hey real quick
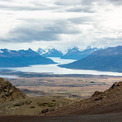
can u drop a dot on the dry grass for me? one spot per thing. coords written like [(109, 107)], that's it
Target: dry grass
[(34, 105), (65, 86)]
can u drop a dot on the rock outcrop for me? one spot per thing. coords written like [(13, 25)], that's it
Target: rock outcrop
[(8, 92)]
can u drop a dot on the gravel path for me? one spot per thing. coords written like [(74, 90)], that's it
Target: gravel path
[(81, 118)]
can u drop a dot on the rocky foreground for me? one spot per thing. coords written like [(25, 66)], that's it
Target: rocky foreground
[(9, 92), (14, 102), (109, 101), (101, 106)]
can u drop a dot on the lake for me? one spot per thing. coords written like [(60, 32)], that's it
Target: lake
[(54, 69), (7, 76)]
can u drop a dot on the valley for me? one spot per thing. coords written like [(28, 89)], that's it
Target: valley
[(103, 105), (77, 86), (60, 61)]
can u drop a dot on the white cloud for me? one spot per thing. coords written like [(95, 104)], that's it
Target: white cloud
[(60, 23)]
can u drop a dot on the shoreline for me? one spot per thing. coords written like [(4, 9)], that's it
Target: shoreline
[(17, 74)]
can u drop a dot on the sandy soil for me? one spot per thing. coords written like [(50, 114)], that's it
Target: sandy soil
[(64, 86)]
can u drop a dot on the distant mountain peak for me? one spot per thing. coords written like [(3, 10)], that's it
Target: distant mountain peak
[(74, 49), (1, 51), (29, 49), (51, 52), (76, 53), (109, 59)]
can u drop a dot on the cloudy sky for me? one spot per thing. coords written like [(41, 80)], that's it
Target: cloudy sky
[(60, 23)]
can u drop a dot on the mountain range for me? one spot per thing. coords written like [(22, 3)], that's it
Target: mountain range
[(20, 58), (75, 53), (50, 52), (109, 59), (72, 53)]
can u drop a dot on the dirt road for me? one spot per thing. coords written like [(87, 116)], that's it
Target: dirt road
[(117, 117)]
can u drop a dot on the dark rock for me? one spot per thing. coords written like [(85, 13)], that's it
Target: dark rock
[(45, 111), (96, 93)]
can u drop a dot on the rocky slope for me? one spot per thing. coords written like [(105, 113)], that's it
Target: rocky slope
[(9, 92), (109, 101), (109, 59), (12, 102)]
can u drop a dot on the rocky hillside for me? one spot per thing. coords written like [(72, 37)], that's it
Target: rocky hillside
[(109, 59), (108, 101), (9, 92)]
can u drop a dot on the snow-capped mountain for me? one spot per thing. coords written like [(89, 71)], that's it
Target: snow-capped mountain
[(109, 59), (76, 53), (42, 51), (50, 52), (13, 58)]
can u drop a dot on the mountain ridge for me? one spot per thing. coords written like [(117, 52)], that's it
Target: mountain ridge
[(76, 53), (20, 58), (71, 53), (50, 52), (109, 59)]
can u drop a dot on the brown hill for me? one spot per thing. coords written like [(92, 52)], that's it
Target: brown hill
[(109, 101), (9, 92)]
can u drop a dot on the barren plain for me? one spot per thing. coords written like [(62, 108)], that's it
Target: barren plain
[(66, 86)]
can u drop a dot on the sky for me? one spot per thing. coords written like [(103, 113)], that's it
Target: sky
[(60, 24)]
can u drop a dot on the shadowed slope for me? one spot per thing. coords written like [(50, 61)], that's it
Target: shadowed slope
[(108, 101)]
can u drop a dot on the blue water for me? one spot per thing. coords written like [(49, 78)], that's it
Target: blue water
[(8, 76), (54, 69)]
